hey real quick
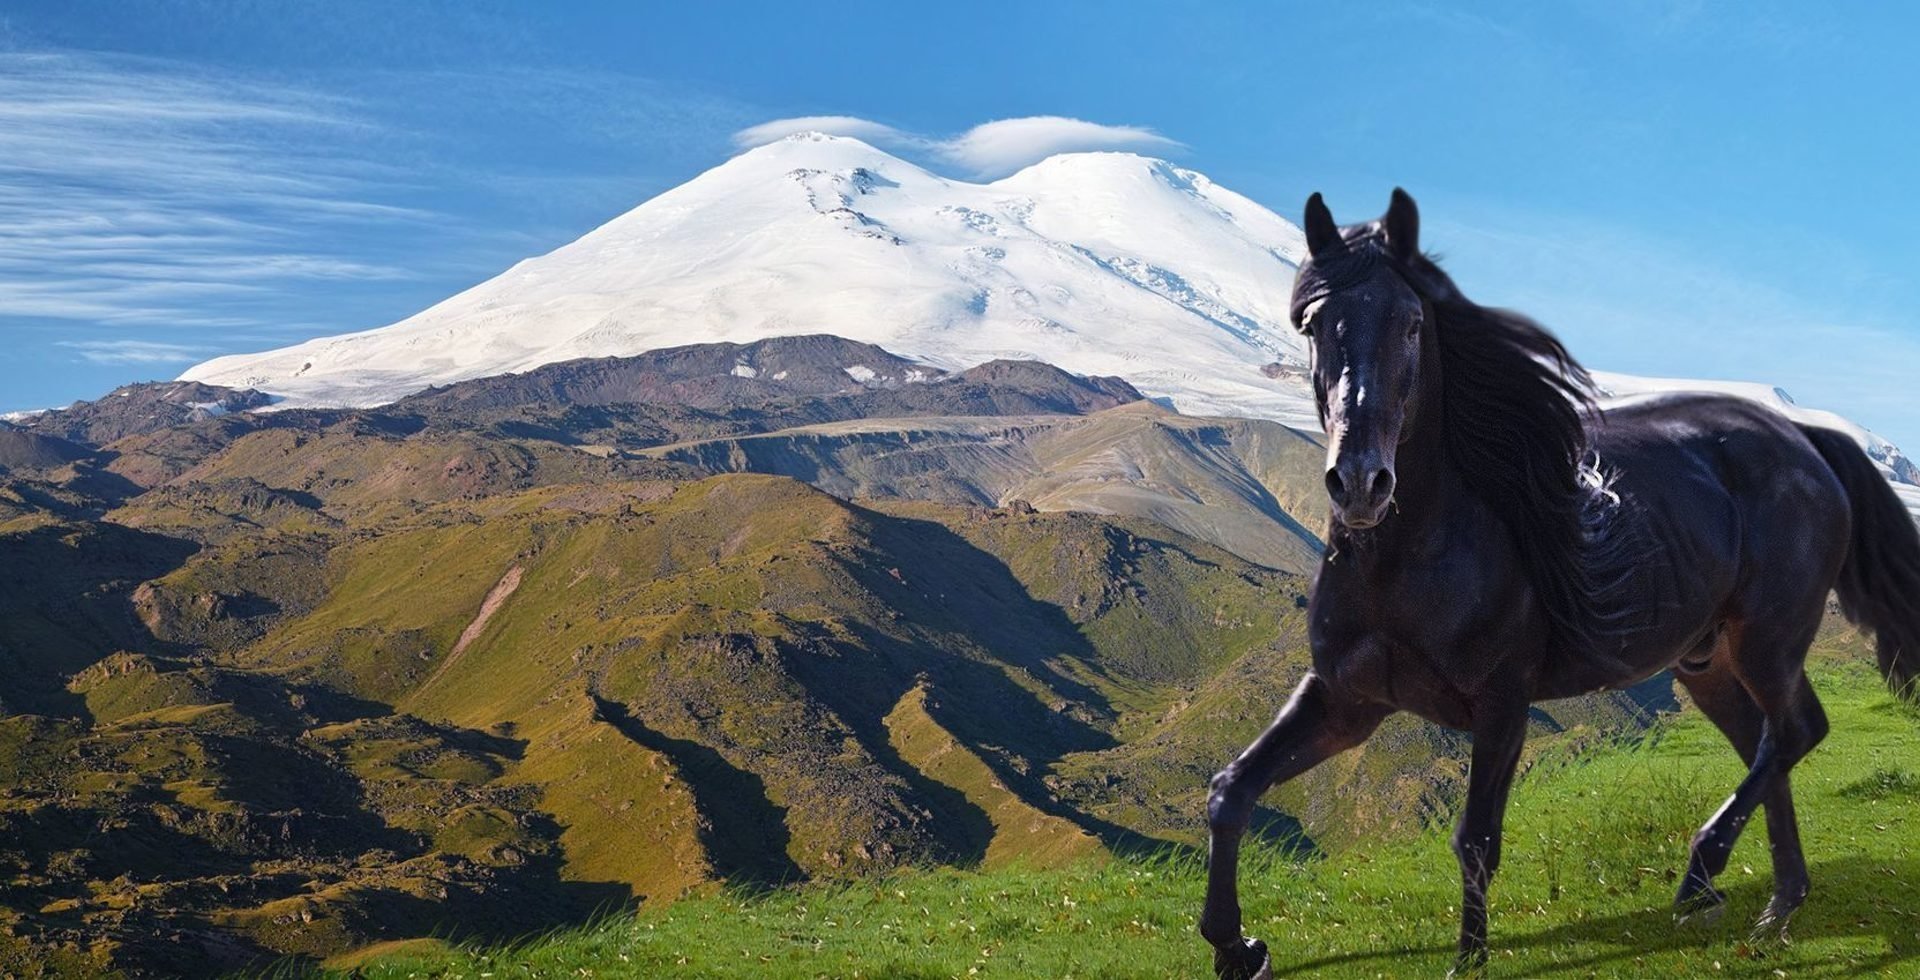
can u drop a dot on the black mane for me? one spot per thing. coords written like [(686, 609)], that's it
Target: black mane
[(1516, 406)]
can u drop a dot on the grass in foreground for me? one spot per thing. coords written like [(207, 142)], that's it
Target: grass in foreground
[(1594, 846)]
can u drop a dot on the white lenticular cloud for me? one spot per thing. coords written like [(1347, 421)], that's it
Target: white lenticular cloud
[(879, 134), (992, 149), (1006, 145)]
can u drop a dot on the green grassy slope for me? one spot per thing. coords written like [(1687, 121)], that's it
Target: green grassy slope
[(750, 635), (340, 722), (337, 723), (1595, 841)]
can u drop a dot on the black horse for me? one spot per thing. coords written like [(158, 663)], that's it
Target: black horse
[(1497, 540)]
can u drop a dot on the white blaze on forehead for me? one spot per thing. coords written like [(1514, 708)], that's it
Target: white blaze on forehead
[(1348, 390), (1337, 422)]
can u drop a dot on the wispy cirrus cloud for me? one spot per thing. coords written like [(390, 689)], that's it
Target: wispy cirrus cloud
[(992, 149), (134, 194), (199, 209), (135, 351)]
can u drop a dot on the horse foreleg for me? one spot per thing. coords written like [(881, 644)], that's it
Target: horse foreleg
[(1497, 739), (1313, 727)]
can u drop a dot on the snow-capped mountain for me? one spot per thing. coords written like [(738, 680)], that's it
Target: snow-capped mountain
[(1099, 263)]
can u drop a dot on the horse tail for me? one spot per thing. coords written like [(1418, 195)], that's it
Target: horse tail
[(1879, 584)]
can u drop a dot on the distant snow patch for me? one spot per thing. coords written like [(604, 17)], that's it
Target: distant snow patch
[(744, 371), (779, 375), (214, 409), (861, 373)]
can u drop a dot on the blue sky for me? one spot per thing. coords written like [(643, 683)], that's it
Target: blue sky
[(1704, 190)]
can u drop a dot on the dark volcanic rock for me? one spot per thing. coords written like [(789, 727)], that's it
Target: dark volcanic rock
[(781, 371), (1051, 389), (714, 390), (137, 409), (23, 449), (708, 376)]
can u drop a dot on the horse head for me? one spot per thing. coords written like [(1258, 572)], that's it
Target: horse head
[(1364, 322)]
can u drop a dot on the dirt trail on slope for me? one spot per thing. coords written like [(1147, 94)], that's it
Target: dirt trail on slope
[(496, 597)]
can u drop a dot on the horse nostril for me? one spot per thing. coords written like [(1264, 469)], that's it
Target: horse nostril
[(1336, 488), (1382, 486)]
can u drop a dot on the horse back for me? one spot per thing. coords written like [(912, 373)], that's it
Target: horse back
[(1741, 517)]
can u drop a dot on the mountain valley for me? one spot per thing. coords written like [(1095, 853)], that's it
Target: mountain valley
[(286, 684)]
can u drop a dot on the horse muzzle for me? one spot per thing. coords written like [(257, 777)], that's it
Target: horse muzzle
[(1361, 489)]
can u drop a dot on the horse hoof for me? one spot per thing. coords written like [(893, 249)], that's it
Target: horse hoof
[(1245, 960), (1773, 924), (1469, 965), (1703, 908), (1769, 929)]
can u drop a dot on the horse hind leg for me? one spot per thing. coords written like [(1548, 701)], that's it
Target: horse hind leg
[(1769, 712), (1719, 696), (1790, 878)]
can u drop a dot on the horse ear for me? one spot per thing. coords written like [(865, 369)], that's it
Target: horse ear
[(1403, 225), (1323, 236)]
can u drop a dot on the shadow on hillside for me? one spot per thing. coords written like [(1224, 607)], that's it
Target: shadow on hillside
[(1005, 725), (1269, 505), (961, 827), (65, 602), (1654, 696), (94, 480), (1283, 833), (746, 832), (955, 588), (142, 845), (519, 908), (330, 705)]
